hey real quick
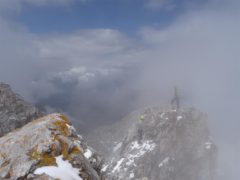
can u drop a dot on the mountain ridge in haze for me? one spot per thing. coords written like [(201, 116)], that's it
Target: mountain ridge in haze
[(14, 110), (157, 143)]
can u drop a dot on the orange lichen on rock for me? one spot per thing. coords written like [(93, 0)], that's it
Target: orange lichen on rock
[(61, 125), (63, 117), (57, 146), (75, 150), (45, 159), (64, 149)]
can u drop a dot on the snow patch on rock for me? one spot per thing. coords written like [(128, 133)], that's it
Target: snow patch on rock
[(104, 168), (131, 176), (64, 170), (165, 161), (118, 165), (118, 146), (208, 145), (179, 118), (138, 150), (88, 154)]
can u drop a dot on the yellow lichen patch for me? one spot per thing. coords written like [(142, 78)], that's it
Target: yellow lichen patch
[(58, 145), (48, 117), (61, 126), (75, 150), (45, 159), (53, 148), (64, 149), (63, 117), (48, 159)]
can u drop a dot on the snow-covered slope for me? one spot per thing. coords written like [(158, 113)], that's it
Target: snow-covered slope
[(157, 144)]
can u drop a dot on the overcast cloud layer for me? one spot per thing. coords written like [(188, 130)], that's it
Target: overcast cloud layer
[(96, 76)]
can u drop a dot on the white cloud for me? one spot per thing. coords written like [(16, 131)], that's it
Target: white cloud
[(96, 46), (86, 42), (200, 53), (75, 74), (29, 61)]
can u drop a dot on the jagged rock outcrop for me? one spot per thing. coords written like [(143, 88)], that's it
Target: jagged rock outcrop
[(47, 145), (14, 111), (157, 143)]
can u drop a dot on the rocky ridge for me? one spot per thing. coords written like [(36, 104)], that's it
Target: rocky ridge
[(157, 143), (14, 111)]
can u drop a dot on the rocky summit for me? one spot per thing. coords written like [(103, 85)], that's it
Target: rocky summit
[(14, 111), (45, 149), (157, 144)]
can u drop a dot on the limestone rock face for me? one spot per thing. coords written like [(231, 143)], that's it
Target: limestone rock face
[(14, 111), (157, 143), (37, 144)]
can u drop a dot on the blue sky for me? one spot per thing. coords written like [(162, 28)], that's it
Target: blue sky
[(125, 15)]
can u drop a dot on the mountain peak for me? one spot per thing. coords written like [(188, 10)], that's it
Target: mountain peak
[(158, 143)]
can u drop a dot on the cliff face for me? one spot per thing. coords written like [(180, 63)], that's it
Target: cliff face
[(47, 148), (14, 111), (155, 144)]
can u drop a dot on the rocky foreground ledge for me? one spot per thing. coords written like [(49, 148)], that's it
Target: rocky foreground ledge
[(47, 148)]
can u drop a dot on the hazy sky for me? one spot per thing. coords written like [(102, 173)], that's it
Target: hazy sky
[(97, 60)]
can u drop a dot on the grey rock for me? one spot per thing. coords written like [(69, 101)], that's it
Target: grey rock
[(14, 111), (38, 143), (157, 143)]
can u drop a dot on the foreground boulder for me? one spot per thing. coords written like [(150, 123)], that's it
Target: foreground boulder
[(14, 111), (47, 148), (157, 143)]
